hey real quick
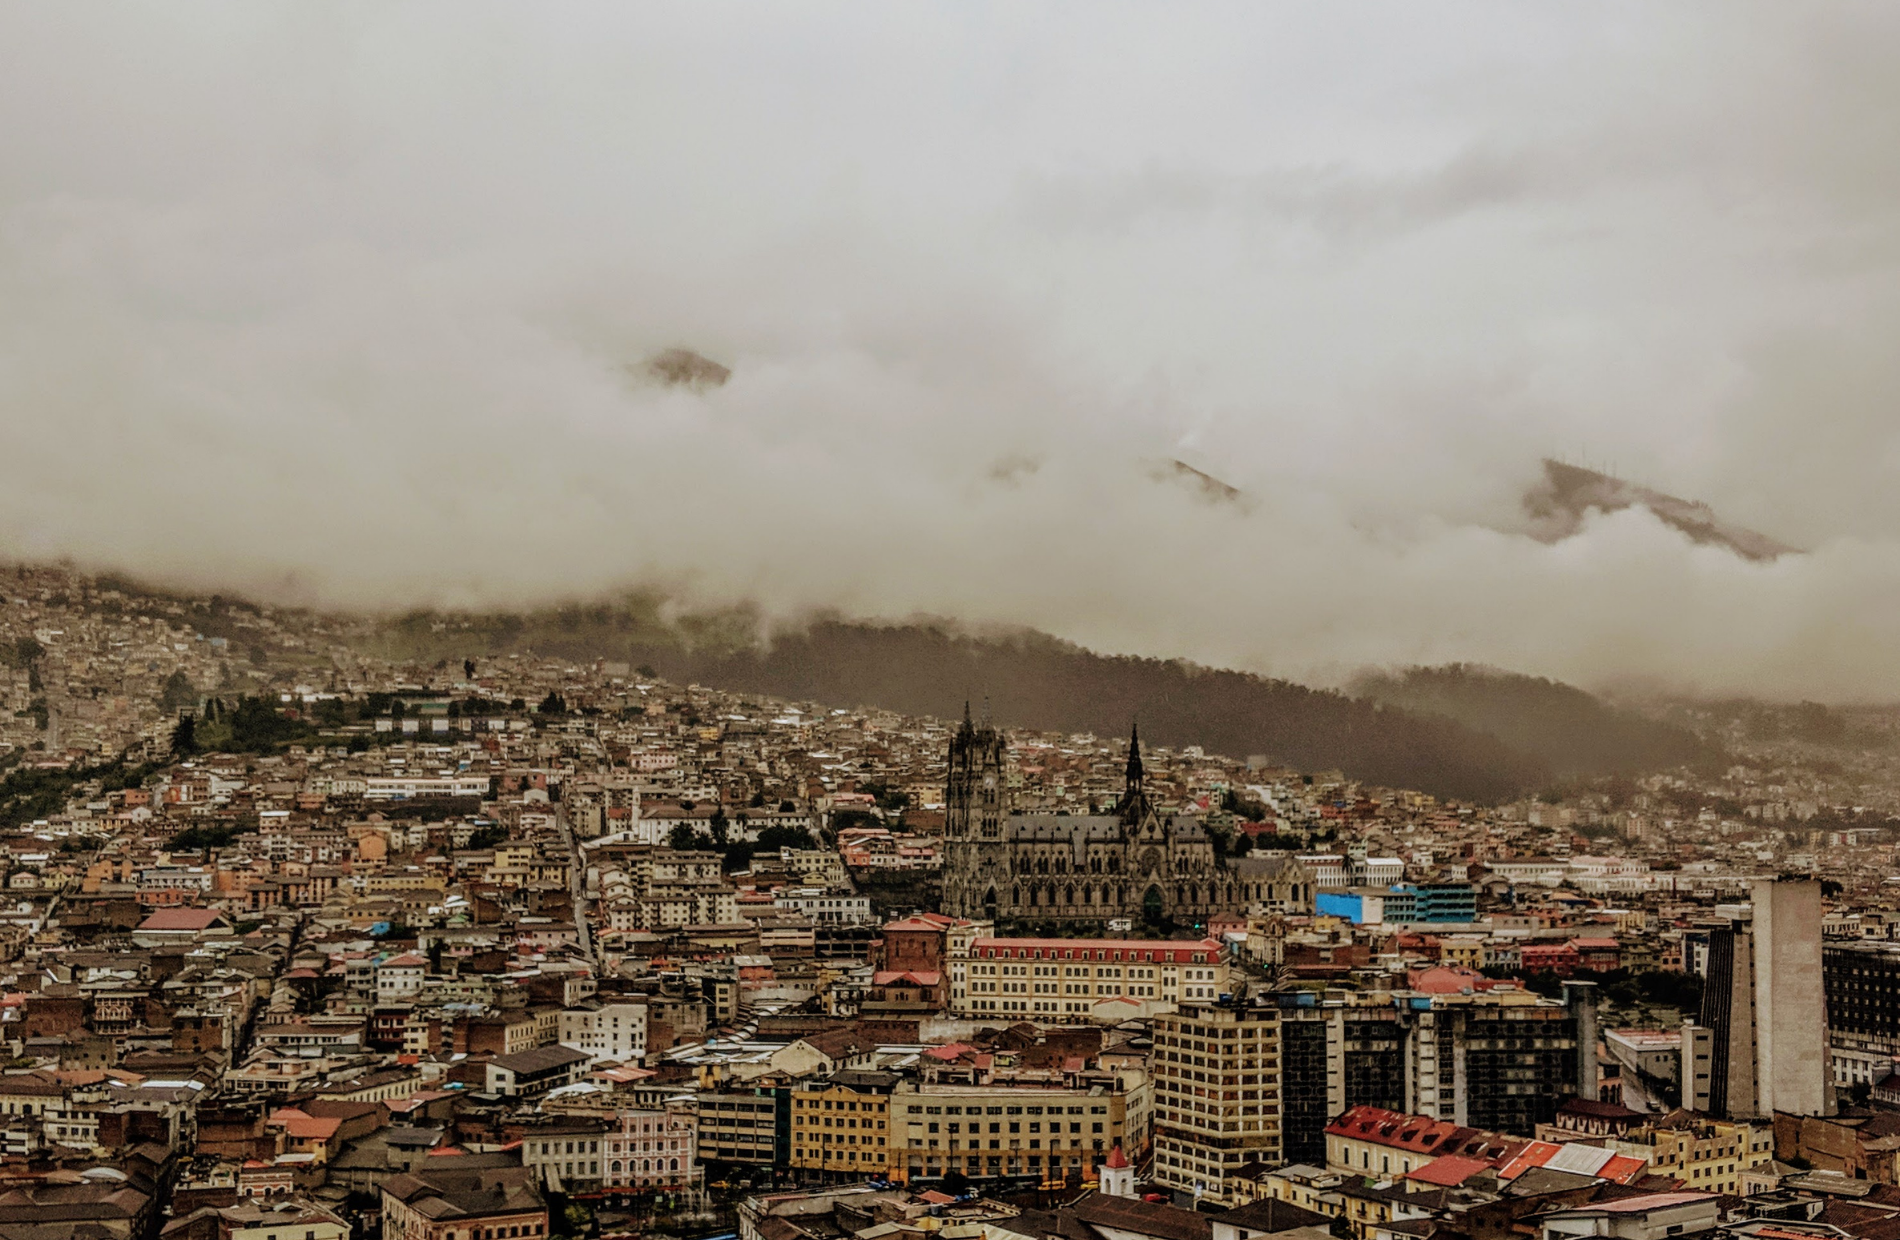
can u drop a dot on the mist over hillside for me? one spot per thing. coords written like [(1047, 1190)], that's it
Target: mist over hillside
[(1029, 679), (1036, 681), (1569, 730), (1011, 328)]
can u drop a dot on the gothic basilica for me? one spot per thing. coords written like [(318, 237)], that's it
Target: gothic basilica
[(1134, 863)]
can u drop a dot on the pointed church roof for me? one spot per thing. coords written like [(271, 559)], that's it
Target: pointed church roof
[(1134, 752), (1116, 1161)]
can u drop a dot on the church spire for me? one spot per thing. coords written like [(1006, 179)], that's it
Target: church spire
[(966, 729), (1134, 802)]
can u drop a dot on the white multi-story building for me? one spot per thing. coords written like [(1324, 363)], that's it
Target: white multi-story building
[(400, 977), (1610, 874), (827, 908), (608, 1031), (403, 787), (1328, 871)]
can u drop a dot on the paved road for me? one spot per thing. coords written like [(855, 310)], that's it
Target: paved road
[(577, 887)]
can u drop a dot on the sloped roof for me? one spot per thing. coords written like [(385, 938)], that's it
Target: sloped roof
[(1142, 1218), (1271, 1216), (182, 919), (1449, 1171)]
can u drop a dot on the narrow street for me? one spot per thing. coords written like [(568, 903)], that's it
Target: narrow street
[(577, 888)]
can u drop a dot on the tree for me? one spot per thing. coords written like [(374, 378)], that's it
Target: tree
[(488, 836), (771, 839), (260, 726), (717, 826), (192, 839), (178, 694), (468, 669), (185, 737), (552, 704), (844, 819), (681, 837)]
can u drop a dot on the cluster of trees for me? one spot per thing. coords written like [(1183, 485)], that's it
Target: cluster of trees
[(488, 836), (24, 654), (21, 652), (27, 793), (250, 725), (1623, 988), (207, 837), (891, 800), (738, 853)]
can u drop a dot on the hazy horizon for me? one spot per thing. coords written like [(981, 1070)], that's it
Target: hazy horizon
[(343, 305)]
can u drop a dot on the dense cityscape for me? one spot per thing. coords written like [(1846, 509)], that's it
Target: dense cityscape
[(1255, 621), (302, 938)]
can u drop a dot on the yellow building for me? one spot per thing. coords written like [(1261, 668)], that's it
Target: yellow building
[(987, 1131), (403, 880), (1708, 1156), (842, 1125), (1461, 951)]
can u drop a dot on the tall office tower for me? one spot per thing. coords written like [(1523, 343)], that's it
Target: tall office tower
[(1764, 1006), (1728, 1013)]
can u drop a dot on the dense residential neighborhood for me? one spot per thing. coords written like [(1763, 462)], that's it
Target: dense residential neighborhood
[(300, 939)]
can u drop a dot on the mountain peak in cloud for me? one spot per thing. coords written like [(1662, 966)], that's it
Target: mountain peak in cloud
[(1559, 503), (685, 368)]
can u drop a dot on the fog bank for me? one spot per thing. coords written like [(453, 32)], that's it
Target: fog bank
[(338, 304)]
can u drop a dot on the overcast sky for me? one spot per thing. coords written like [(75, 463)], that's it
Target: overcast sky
[(336, 303)]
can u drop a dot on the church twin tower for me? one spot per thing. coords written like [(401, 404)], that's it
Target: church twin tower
[(1031, 869)]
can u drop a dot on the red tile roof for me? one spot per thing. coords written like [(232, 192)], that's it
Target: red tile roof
[(1448, 1172)]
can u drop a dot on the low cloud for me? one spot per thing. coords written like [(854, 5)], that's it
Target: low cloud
[(338, 305)]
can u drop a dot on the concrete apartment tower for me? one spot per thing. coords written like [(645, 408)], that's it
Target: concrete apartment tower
[(1791, 1065), (1763, 1028)]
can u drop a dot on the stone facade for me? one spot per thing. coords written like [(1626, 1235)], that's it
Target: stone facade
[(1084, 870)]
